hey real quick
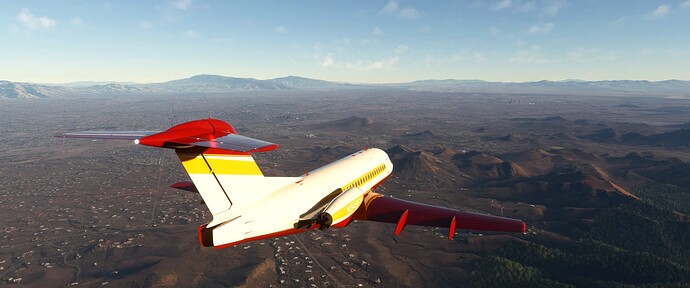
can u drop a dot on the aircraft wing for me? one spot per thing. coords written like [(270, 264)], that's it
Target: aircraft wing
[(393, 210)]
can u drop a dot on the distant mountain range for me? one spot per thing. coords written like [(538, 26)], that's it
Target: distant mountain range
[(217, 84), (195, 84), (27, 90), (667, 88)]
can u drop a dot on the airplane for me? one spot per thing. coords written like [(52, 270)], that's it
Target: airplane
[(248, 206)]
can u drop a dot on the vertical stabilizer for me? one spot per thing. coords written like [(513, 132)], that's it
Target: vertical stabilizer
[(228, 179), (206, 170)]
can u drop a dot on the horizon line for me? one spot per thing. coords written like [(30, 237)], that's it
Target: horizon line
[(105, 82)]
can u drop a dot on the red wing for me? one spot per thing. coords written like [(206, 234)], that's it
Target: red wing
[(394, 210)]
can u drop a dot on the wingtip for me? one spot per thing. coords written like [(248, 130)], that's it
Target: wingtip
[(266, 148)]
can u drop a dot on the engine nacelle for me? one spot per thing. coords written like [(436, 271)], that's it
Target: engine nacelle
[(343, 206)]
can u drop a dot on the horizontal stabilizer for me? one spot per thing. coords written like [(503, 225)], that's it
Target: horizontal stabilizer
[(239, 143), (205, 133)]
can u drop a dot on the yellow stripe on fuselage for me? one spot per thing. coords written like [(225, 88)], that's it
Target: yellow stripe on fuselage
[(365, 177), (219, 164), (351, 207)]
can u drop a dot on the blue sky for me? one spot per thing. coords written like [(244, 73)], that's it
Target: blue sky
[(360, 41)]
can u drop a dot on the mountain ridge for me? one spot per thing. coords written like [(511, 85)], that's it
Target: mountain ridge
[(208, 83)]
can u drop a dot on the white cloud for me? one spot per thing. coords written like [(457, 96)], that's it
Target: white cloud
[(327, 61), (541, 29), (377, 31), (391, 7), (426, 28), (175, 10), (181, 4), (408, 13), (504, 4), (280, 29), (383, 64), (661, 11), (31, 22), (685, 4), (544, 7), (525, 7), (552, 7)]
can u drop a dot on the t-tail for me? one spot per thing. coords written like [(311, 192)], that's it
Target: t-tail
[(217, 159)]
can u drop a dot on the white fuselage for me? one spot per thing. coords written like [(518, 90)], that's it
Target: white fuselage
[(282, 208)]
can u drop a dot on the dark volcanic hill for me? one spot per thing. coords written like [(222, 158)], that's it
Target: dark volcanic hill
[(558, 179), (425, 136), (606, 135), (578, 185), (479, 166), (610, 135), (677, 138), (422, 165)]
